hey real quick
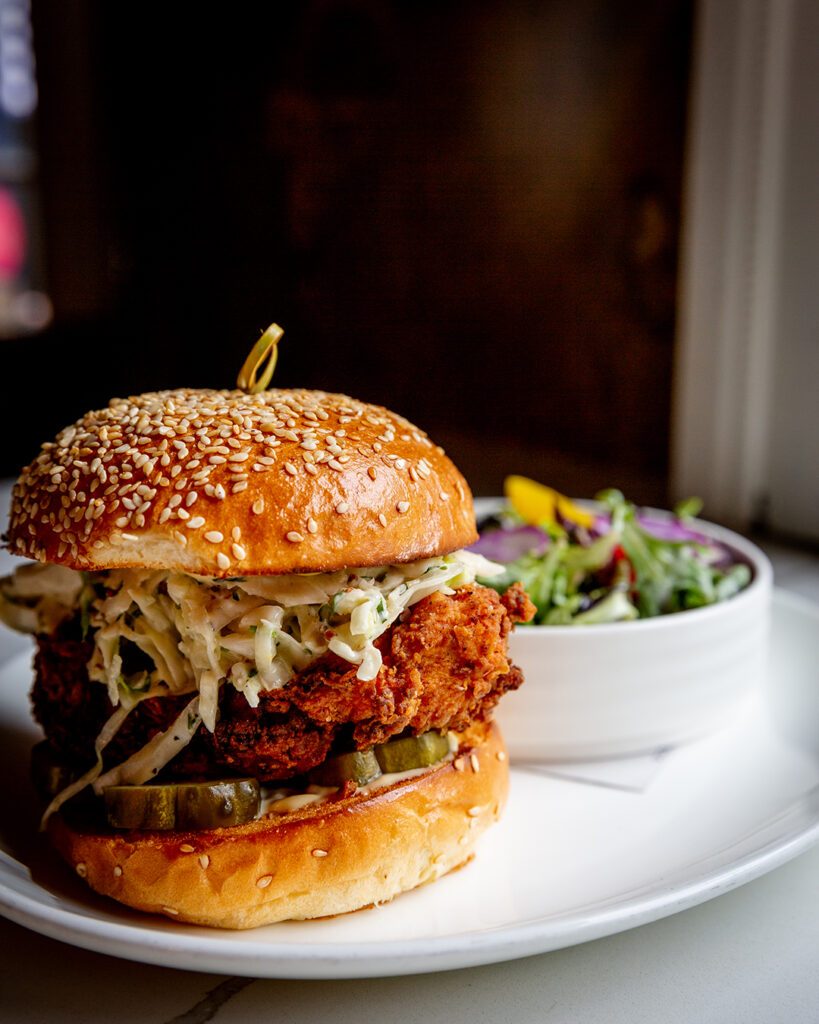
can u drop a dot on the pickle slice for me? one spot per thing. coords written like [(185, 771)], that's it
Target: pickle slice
[(359, 766), (194, 806), (408, 752)]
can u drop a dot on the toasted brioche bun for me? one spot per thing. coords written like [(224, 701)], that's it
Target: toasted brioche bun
[(324, 859), (222, 483)]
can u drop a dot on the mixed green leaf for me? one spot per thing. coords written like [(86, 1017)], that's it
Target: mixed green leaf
[(609, 564)]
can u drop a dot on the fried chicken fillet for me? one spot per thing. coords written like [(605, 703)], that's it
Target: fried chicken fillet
[(444, 666)]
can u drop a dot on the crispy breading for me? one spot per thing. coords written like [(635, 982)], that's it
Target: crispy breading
[(444, 666)]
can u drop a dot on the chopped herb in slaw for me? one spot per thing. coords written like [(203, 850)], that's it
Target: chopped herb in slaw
[(162, 633), (612, 562)]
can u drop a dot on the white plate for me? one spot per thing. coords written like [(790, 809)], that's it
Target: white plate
[(570, 861)]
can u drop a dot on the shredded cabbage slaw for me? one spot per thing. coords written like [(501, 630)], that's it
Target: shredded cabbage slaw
[(196, 634)]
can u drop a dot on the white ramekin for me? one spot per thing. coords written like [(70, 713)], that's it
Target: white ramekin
[(626, 688)]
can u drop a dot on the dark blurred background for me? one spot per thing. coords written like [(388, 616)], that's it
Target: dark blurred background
[(468, 212)]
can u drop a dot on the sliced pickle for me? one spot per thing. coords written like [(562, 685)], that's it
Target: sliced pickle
[(183, 806), (360, 767), (408, 752)]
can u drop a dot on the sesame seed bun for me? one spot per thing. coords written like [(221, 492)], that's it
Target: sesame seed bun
[(324, 859), (222, 483)]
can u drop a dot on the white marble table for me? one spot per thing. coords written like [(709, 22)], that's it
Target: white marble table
[(750, 955)]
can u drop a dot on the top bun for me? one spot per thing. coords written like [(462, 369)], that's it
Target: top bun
[(223, 483)]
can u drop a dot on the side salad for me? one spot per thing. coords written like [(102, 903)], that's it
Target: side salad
[(610, 562)]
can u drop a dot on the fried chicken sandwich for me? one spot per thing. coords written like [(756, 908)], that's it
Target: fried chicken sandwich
[(265, 668)]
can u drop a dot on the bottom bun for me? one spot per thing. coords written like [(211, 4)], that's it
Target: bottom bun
[(324, 859)]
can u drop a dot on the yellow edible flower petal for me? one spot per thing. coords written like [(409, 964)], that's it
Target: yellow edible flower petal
[(535, 503)]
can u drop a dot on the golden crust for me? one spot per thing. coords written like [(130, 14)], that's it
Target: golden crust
[(221, 483), (325, 859)]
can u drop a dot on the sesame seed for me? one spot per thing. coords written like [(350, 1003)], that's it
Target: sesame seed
[(195, 523), (204, 861), (258, 506), (117, 871), (238, 551), (295, 537), (81, 869), (501, 755), (222, 561), (342, 507), (382, 519), (264, 881), (137, 446), (183, 514), (186, 848), (473, 760), (473, 812), (319, 853), (458, 764), (129, 536), (236, 533), (214, 536), (290, 468), (403, 506), (443, 496), (171, 911)]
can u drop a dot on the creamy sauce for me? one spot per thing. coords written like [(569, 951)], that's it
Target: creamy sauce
[(283, 801)]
